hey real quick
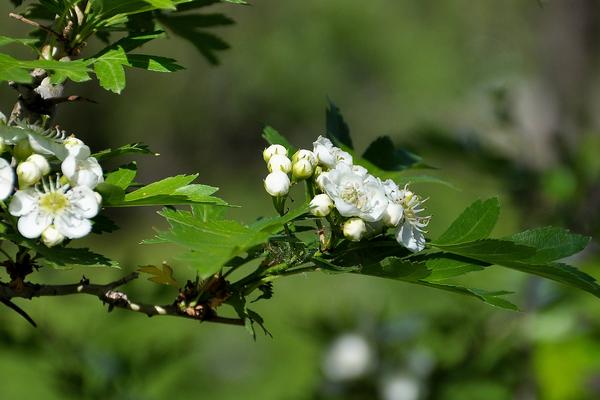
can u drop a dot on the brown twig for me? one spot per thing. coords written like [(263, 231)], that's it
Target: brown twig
[(108, 295), (36, 24)]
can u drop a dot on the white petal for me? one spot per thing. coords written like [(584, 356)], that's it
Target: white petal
[(69, 166), (23, 202), (71, 226), (7, 179), (408, 236), (33, 224), (346, 209), (83, 202)]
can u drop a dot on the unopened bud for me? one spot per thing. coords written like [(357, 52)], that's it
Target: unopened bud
[(279, 162), (28, 173), (41, 163), (354, 229), (51, 237), (277, 184), (321, 205), (393, 214), (304, 154), (22, 150), (302, 169), (272, 150)]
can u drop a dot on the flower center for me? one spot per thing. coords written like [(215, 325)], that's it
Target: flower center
[(352, 194), (54, 202)]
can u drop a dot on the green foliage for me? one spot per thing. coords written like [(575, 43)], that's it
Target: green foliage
[(273, 137), (12, 69), (476, 222)]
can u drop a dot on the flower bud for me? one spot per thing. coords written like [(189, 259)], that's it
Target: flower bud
[(320, 177), (41, 163), (272, 150), (354, 229), (277, 183), (279, 162), (304, 154), (51, 237), (393, 214), (28, 173), (22, 150), (321, 205), (3, 146), (76, 148), (302, 169)]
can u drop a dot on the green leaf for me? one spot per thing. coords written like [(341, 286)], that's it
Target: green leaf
[(111, 194), (210, 243), (13, 69), (444, 266), (62, 257), (122, 177), (134, 148), (163, 276), (493, 251), (476, 222), (337, 129), (492, 298), (551, 243), (273, 137), (110, 74), (192, 27), (383, 153), (418, 273), (4, 40)]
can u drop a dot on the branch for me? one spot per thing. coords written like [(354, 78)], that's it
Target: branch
[(114, 298), (36, 24)]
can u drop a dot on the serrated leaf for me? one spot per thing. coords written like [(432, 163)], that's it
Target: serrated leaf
[(18, 70), (445, 266), (110, 74), (272, 136), (4, 40), (336, 127), (551, 243), (122, 177), (383, 153), (163, 276), (103, 224), (493, 251), (476, 222), (134, 148), (62, 257), (492, 298)]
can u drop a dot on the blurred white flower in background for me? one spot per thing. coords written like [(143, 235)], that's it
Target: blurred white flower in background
[(349, 357), (400, 387)]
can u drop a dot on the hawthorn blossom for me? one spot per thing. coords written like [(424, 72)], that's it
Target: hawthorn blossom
[(355, 195), (68, 210), (410, 232), (321, 205), (277, 183), (272, 150)]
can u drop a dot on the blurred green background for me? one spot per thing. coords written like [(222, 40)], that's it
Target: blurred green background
[(503, 97)]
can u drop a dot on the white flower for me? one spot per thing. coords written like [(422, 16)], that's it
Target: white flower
[(28, 173), (7, 179), (82, 171), (341, 156), (349, 357), (355, 195), (393, 214), (304, 154), (41, 163), (323, 150), (279, 162), (76, 148), (52, 237), (302, 169), (354, 229), (360, 170), (410, 232), (277, 183), (321, 205), (68, 210), (272, 150)]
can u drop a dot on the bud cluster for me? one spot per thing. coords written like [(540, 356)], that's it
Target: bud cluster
[(363, 205)]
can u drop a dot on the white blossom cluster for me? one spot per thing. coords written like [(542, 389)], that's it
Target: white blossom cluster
[(367, 204), (50, 188)]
